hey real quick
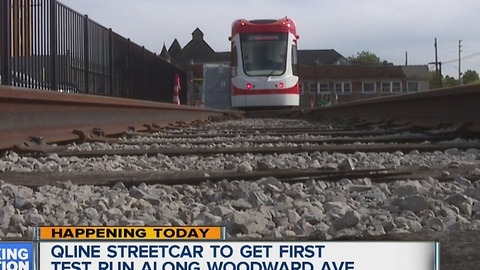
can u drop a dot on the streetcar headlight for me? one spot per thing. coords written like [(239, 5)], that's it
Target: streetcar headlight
[(249, 86), (280, 85)]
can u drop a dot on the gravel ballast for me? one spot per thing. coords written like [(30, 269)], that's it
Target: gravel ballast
[(266, 208)]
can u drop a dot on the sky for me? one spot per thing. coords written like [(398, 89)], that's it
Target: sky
[(396, 31)]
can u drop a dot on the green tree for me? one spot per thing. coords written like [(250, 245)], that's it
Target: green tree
[(470, 76), (449, 81), (365, 58), (433, 77)]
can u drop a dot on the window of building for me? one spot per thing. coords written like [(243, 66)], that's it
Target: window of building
[(324, 88), (391, 87), (386, 87), (396, 87), (343, 88), (312, 88), (413, 87), (347, 88), (368, 87)]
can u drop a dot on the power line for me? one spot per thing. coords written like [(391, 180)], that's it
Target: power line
[(471, 56), (463, 58)]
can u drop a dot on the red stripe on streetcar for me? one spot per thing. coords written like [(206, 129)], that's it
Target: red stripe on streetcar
[(242, 92), (284, 25)]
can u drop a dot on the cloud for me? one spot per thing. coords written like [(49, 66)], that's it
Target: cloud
[(386, 28)]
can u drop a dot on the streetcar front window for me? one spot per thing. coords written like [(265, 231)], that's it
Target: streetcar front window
[(264, 54)]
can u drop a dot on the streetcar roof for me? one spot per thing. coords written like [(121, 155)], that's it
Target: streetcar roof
[(284, 25)]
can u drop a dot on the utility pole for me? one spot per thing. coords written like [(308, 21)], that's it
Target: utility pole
[(316, 85), (440, 75), (459, 62), (406, 58), (436, 56), (439, 78)]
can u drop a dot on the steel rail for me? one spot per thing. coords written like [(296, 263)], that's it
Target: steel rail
[(454, 105), (32, 118), (341, 140), (352, 148), (193, 177), (129, 178)]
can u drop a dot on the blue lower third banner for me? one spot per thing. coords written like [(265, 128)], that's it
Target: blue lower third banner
[(16, 256)]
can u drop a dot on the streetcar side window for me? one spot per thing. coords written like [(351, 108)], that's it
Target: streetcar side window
[(294, 59), (234, 61)]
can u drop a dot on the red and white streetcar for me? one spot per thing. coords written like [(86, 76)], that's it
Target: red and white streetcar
[(264, 64)]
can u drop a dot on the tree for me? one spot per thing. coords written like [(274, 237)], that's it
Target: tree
[(433, 77), (449, 81), (365, 58), (470, 76)]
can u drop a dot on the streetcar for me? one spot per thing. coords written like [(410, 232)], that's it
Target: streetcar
[(264, 64)]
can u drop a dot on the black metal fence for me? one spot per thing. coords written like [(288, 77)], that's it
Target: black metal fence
[(46, 45)]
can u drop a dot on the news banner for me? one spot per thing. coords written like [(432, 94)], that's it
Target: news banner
[(205, 248)]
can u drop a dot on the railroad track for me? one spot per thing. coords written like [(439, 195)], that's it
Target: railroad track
[(322, 140), (32, 120), (306, 174)]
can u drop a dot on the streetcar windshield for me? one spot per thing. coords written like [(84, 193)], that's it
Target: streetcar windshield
[(264, 54)]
